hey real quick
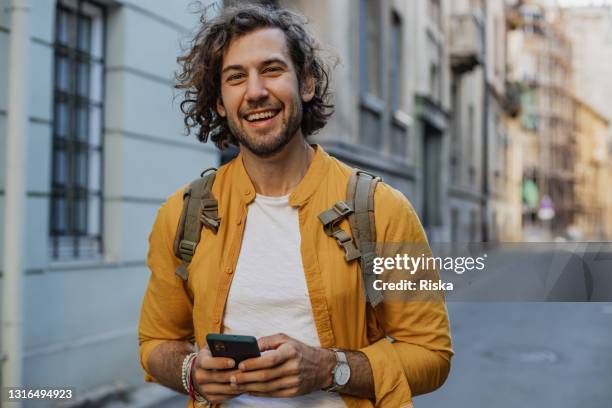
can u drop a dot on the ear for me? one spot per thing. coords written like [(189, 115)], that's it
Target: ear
[(220, 108), (308, 89)]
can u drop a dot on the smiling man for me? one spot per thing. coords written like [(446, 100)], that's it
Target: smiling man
[(253, 78)]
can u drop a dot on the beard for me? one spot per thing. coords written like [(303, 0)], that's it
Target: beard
[(268, 145)]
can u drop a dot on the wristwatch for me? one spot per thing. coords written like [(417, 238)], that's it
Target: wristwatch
[(341, 373)]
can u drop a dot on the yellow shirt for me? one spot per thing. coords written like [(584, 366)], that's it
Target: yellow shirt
[(418, 361)]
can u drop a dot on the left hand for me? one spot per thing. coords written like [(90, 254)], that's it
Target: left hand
[(290, 369)]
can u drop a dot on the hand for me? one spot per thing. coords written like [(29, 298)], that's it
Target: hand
[(211, 377), (292, 368)]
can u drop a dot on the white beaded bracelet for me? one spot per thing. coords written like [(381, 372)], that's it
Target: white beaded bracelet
[(185, 372)]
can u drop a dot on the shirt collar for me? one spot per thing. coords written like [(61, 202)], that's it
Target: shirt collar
[(302, 192)]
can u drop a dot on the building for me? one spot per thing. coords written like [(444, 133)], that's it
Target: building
[(541, 64), (392, 114), (590, 31), (480, 173), (104, 149), (593, 176)]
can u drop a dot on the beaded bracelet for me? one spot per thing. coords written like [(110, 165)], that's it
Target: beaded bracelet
[(187, 369), (185, 375)]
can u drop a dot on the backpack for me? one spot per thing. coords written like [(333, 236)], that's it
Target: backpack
[(200, 210)]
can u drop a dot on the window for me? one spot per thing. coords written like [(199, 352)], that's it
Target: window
[(371, 44), (76, 182), (432, 177), (399, 129), (397, 66), (434, 50), (370, 59)]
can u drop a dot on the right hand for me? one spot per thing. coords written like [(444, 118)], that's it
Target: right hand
[(211, 377)]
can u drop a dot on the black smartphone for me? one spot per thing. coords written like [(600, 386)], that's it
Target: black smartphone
[(233, 346)]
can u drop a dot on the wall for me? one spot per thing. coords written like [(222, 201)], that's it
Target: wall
[(81, 316)]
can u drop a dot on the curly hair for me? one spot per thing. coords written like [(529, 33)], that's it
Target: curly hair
[(200, 75)]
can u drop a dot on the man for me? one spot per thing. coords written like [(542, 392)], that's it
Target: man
[(253, 78)]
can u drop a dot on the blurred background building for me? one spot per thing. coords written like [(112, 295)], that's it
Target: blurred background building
[(491, 116)]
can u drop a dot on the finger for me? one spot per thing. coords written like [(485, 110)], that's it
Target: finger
[(202, 376), (268, 360), (270, 386), (272, 342), (284, 370), (284, 393), (207, 362)]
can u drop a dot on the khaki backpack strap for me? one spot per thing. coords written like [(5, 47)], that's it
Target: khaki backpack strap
[(360, 192), (199, 209), (330, 220)]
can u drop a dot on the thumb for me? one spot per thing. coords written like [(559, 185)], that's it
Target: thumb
[(272, 342)]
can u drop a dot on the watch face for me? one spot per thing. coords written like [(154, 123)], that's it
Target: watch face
[(342, 374)]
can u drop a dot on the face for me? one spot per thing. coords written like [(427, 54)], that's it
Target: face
[(260, 94)]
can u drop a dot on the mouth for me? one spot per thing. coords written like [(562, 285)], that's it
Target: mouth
[(262, 118)]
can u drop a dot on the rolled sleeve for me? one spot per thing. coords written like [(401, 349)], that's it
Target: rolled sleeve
[(414, 357), (166, 312), (390, 383)]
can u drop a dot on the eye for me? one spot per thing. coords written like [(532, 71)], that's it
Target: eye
[(234, 77), (273, 69)]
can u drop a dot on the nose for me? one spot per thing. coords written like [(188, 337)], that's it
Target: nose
[(256, 89)]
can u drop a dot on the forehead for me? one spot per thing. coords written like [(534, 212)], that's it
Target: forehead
[(257, 46)]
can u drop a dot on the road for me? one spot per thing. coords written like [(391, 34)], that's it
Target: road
[(528, 355)]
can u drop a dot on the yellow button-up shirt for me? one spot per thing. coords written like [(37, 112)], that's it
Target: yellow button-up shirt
[(416, 362)]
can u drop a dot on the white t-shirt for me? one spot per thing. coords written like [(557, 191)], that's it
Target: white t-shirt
[(268, 294)]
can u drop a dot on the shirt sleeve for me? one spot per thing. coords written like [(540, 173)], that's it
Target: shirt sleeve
[(166, 312), (414, 356)]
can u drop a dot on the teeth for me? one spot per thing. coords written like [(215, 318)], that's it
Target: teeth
[(260, 115)]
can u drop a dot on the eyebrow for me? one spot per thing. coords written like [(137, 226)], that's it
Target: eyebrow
[(265, 63)]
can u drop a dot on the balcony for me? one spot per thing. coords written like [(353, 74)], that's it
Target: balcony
[(466, 45)]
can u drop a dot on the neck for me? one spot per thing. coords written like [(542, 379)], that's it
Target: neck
[(277, 175)]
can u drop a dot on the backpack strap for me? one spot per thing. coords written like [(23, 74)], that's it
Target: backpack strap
[(359, 208), (199, 209), (360, 192), (330, 220)]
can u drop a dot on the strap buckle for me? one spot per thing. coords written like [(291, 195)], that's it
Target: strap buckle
[(342, 208), (209, 205), (187, 247), (342, 238)]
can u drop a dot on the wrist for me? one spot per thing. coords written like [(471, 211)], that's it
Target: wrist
[(327, 364)]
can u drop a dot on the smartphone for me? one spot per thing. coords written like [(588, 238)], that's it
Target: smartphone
[(233, 346)]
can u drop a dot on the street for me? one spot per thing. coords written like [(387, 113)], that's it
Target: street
[(528, 355)]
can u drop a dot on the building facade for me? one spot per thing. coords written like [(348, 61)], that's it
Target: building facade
[(391, 94), (590, 31), (104, 149), (593, 175), (541, 63), (480, 147)]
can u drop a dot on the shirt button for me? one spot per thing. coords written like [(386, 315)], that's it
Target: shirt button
[(228, 270), (216, 321), (247, 192), (239, 221)]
